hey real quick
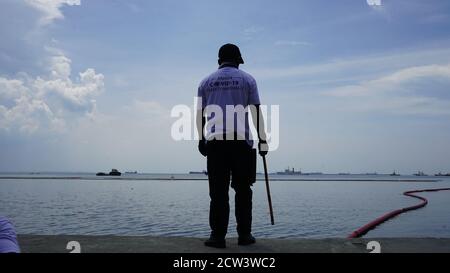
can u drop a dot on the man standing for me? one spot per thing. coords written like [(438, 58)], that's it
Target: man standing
[(228, 143)]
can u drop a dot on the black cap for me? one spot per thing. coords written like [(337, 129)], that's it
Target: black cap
[(230, 52)]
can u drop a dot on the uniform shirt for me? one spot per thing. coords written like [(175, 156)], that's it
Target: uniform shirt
[(228, 86)]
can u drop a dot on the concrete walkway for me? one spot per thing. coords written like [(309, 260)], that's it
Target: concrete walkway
[(149, 244)]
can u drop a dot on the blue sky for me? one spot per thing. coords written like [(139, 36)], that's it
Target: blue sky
[(361, 88)]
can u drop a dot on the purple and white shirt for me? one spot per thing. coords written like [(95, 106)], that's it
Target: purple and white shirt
[(232, 87)]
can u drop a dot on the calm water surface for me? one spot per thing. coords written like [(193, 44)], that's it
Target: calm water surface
[(56, 204)]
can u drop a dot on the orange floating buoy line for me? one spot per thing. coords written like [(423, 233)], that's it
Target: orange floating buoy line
[(371, 225)]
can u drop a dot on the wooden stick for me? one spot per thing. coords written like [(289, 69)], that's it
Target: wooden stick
[(268, 191)]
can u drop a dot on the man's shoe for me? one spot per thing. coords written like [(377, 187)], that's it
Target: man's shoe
[(215, 242), (246, 240)]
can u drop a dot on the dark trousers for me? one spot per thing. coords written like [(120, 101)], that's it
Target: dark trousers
[(233, 159)]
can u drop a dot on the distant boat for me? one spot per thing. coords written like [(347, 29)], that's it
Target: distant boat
[(202, 172), (135, 172), (290, 172), (442, 174), (343, 173), (420, 173), (115, 172), (394, 174)]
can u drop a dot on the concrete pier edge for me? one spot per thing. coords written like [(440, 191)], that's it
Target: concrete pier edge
[(155, 244)]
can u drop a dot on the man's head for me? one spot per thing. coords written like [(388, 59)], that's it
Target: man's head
[(230, 53)]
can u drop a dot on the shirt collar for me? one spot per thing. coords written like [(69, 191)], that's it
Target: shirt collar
[(229, 64)]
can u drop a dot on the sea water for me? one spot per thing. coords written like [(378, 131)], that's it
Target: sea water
[(314, 206)]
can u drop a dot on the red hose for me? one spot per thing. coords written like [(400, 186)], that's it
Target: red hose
[(371, 225)]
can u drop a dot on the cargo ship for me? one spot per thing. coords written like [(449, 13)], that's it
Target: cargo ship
[(289, 171)]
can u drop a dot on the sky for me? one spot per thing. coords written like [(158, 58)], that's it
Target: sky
[(88, 85)]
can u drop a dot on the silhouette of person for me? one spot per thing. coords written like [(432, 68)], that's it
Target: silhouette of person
[(227, 143)]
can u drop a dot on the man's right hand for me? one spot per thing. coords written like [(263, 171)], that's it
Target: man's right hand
[(202, 147), (263, 148)]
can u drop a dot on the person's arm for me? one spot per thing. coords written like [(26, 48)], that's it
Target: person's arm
[(258, 122), (200, 124), (200, 121)]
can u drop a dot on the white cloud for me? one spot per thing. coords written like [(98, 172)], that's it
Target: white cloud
[(373, 2), (378, 6), (251, 32), (52, 100), (412, 90), (393, 82), (366, 66), (51, 8), (417, 72), (47, 102), (150, 108)]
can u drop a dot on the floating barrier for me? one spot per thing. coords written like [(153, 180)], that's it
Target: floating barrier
[(373, 224)]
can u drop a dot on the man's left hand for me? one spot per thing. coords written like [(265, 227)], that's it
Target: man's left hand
[(263, 148), (202, 147)]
